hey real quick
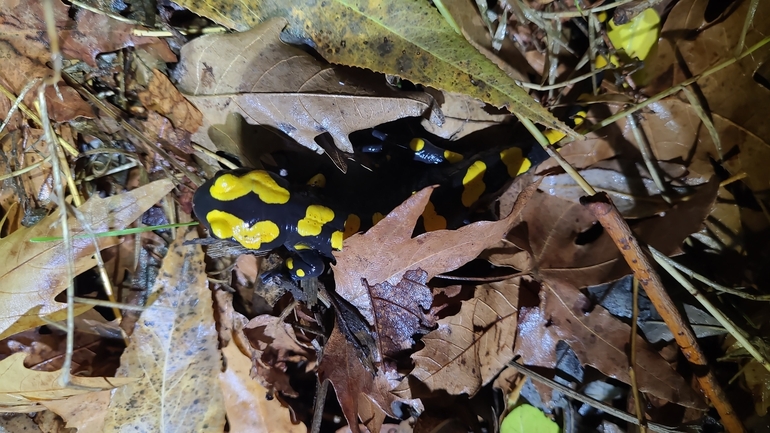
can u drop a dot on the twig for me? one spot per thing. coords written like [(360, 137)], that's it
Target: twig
[(647, 155), (728, 324), (602, 209), (632, 361), (571, 393)]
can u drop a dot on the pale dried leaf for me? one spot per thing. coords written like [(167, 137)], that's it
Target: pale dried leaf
[(174, 349), (32, 274), (271, 83), (21, 388), (84, 412)]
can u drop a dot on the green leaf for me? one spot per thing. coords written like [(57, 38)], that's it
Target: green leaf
[(405, 38), (528, 419)]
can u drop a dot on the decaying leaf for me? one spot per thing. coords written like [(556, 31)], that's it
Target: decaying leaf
[(275, 84), (599, 340), (470, 348), (359, 392), (85, 412), (34, 273), (22, 389), (405, 38), (174, 350), (463, 115), (275, 344)]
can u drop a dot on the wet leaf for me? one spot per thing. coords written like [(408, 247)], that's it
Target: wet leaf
[(22, 389), (599, 340), (566, 242), (174, 349), (34, 273), (278, 85), (470, 348), (406, 38)]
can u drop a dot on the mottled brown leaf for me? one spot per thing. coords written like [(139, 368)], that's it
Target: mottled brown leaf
[(162, 96), (271, 83), (470, 348), (174, 350)]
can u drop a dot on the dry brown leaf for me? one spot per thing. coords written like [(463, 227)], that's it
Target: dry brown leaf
[(245, 399), (387, 250), (565, 241), (274, 84), (84, 412), (162, 96), (598, 339), (359, 392), (32, 274), (174, 349), (22, 389), (18, 423), (470, 348)]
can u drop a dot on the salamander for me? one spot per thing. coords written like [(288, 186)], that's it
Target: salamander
[(262, 211)]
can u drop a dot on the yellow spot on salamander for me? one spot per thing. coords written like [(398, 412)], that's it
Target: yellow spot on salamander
[(513, 159), (318, 181), (225, 226), (290, 263), (300, 273), (377, 217), (230, 187), (337, 238), (300, 247), (554, 135), (473, 183), (431, 220), (315, 218), (452, 157), (352, 225), (417, 144)]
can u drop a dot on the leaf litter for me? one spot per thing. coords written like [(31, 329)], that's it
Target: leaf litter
[(401, 336)]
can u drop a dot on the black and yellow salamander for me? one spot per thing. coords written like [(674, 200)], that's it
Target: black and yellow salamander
[(262, 211)]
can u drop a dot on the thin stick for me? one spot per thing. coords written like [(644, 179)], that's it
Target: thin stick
[(713, 310), (602, 209), (632, 360)]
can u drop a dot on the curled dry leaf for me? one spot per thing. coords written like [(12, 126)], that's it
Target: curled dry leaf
[(245, 399), (275, 344), (22, 389), (470, 348), (275, 84), (463, 115), (598, 339), (174, 349), (32, 274)]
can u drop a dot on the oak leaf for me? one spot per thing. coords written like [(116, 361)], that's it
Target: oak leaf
[(32, 274), (272, 83)]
